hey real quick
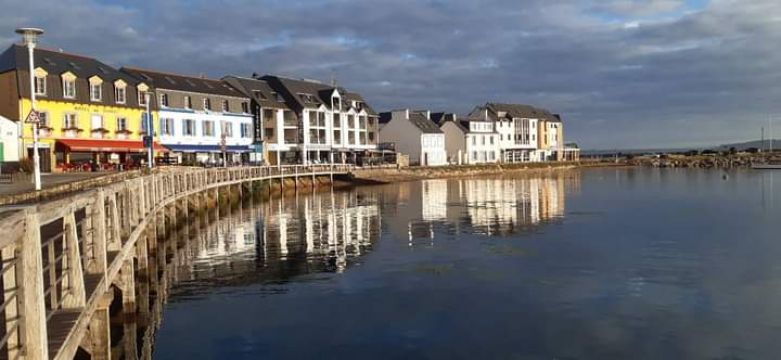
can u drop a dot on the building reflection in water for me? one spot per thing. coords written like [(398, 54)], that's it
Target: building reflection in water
[(265, 243), (501, 206), (274, 241)]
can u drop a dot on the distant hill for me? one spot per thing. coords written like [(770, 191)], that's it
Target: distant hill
[(758, 144)]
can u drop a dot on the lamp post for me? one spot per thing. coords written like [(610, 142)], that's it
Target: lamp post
[(30, 38), (150, 132)]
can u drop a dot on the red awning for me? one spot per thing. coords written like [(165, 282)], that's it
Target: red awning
[(98, 145)]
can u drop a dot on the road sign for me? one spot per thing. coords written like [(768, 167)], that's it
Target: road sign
[(32, 117)]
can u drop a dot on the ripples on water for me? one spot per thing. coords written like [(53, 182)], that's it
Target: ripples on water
[(593, 264)]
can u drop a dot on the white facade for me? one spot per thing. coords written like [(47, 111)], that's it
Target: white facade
[(9, 140), (483, 145), (327, 132), (472, 142), (414, 134), (201, 129)]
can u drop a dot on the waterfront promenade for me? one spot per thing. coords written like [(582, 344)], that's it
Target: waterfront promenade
[(66, 261)]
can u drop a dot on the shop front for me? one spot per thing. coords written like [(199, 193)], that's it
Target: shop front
[(93, 154), (210, 155)]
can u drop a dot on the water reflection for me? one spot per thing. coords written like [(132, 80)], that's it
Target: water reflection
[(647, 264), (502, 206)]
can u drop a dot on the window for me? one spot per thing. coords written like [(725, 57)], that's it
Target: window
[(121, 124), (44, 119), (96, 121), (474, 155), (350, 121), (40, 85), (208, 128), (188, 127), (142, 98), (337, 137), (164, 100), (96, 92), (69, 89), (188, 102), (120, 95), (245, 107), (337, 121), (278, 97), (492, 141), (166, 126), (482, 137), (207, 104), (337, 103), (225, 106), (69, 121), (474, 140), (227, 129), (246, 131)]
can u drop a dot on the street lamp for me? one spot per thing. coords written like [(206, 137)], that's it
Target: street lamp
[(30, 38), (149, 138)]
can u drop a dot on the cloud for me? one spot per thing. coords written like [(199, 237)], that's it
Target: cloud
[(622, 73)]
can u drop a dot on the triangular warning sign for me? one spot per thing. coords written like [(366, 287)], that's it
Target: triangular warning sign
[(32, 117)]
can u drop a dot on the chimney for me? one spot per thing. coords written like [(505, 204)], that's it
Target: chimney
[(428, 114), (407, 113)]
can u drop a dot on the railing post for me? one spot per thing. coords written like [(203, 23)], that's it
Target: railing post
[(33, 303), (75, 297), (98, 214)]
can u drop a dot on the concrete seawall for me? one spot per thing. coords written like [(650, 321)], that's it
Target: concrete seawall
[(389, 175)]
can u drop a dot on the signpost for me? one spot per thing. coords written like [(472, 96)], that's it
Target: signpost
[(33, 118)]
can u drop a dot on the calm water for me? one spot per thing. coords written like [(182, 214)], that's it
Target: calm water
[(601, 264)]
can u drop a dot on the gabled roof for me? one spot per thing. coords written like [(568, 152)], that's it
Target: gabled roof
[(167, 81), (57, 63), (258, 90), (523, 111), (311, 94), (424, 124)]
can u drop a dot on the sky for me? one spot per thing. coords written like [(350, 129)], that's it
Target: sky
[(622, 73)]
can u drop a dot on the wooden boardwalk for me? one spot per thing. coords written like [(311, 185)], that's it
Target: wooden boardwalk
[(65, 261)]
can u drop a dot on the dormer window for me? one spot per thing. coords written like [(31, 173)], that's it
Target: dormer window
[(245, 107), (278, 97), (163, 100), (95, 88), (207, 104), (40, 82), (96, 92), (142, 91), (69, 87), (337, 103), (225, 106), (188, 102), (120, 92)]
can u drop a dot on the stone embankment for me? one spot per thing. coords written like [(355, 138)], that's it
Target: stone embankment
[(389, 175), (702, 161)]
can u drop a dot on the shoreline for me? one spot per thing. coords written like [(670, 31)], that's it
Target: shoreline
[(395, 175)]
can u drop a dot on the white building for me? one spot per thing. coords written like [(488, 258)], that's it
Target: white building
[(414, 134), (200, 119), (517, 126), (9, 141), (333, 124), (471, 141)]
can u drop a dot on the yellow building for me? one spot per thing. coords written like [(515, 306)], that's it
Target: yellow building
[(90, 112)]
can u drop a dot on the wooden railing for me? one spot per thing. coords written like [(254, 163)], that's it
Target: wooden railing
[(60, 258)]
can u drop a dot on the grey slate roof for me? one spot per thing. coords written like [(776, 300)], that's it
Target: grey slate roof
[(310, 94), (424, 124), (258, 90), (523, 111), (57, 63), (167, 81)]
